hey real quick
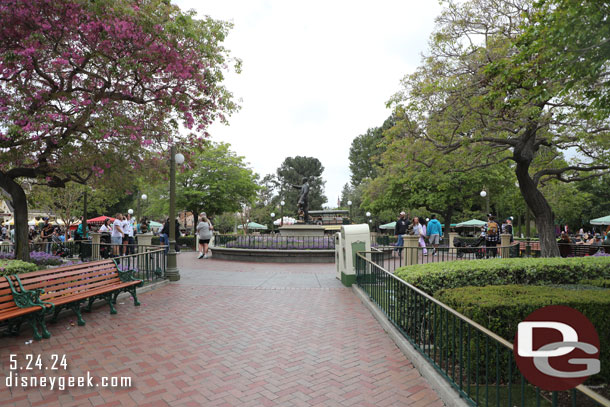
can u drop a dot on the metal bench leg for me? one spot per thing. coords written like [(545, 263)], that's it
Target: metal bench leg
[(75, 306), (55, 314), (43, 326), (89, 305), (114, 297), (132, 291), (109, 300), (33, 323)]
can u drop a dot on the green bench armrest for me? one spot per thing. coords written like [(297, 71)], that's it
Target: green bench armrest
[(27, 298)]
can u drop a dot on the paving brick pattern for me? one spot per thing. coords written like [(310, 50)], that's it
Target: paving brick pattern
[(287, 335)]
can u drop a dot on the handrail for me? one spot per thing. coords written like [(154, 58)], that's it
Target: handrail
[(447, 308), (598, 398)]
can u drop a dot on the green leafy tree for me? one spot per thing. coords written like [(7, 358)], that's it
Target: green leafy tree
[(291, 172), (218, 181), (68, 203), (415, 174), (365, 150), (482, 92)]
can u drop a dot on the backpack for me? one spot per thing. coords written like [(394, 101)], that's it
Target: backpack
[(492, 228)]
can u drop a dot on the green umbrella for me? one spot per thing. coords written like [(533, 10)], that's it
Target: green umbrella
[(601, 221), (471, 223), (390, 225), (154, 224), (254, 225)]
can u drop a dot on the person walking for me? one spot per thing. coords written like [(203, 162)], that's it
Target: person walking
[(204, 233), (492, 236), (116, 236), (434, 233), (164, 235), (402, 225), (422, 235), (128, 229)]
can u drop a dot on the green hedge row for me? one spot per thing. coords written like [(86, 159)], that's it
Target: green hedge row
[(183, 241), (15, 267), (537, 271), (501, 308)]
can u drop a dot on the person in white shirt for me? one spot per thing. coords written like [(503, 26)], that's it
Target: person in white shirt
[(128, 227), (106, 228), (116, 236)]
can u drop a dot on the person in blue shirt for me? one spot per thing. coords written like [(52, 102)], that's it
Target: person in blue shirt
[(434, 233)]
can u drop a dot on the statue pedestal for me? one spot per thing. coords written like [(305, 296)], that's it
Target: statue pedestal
[(301, 230)]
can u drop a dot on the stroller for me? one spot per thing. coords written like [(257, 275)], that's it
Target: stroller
[(470, 247)]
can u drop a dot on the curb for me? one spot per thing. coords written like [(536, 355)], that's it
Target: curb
[(446, 392)]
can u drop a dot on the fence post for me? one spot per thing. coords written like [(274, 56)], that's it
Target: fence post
[(504, 245), (411, 244), (452, 236), (95, 245)]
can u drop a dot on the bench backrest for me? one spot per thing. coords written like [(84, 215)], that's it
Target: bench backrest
[(7, 303), (71, 280)]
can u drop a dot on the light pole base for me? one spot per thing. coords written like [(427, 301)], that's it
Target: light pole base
[(172, 274)]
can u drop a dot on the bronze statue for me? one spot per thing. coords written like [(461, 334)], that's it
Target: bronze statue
[(303, 203)]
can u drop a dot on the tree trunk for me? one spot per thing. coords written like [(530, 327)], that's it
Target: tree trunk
[(195, 213), (541, 210), (20, 207), (447, 216)]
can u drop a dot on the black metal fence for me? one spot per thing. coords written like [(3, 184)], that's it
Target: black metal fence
[(476, 362), (392, 257), (275, 242)]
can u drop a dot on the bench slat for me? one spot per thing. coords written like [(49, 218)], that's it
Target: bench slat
[(80, 280), (59, 270), (51, 275)]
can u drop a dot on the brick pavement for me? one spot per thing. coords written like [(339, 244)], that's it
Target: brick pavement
[(282, 335)]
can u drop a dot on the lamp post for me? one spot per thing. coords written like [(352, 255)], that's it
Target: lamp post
[(485, 195), (272, 216), (282, 203), (349, 203), (173, 274), (368, 215)]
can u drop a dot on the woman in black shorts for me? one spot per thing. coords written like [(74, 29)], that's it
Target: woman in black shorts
[(204, 232)]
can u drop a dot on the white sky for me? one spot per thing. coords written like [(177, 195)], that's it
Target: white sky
[(315, 74)]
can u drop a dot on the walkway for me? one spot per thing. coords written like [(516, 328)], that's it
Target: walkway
[(229, 334)]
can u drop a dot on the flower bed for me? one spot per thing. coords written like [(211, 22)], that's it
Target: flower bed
[(38, 258)]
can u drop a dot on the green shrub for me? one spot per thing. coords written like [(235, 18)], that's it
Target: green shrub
[(501, 308), (8, 267), (186, 241), (538, 271), (599, 282)]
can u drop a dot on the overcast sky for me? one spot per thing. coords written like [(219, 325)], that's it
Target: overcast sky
[(315, 75)]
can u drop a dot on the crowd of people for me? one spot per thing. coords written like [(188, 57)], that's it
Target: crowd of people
[(430, 233)]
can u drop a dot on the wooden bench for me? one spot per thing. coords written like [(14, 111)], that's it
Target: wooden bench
[(18, 305), (70, 286)]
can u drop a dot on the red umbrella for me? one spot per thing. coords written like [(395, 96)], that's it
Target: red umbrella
[(99, 220)]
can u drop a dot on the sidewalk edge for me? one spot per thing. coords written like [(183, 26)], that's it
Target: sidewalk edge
[(448, 394)]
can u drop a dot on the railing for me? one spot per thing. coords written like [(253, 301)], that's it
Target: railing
[(275, 242), (149, 265), (392, 257), (476, 362)]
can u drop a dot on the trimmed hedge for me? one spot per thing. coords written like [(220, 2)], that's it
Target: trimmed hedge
[(537, 271), (8, 267), (501, 308), (599, 282)]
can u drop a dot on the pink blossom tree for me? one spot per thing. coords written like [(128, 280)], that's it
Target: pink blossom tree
[(88, 88)]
